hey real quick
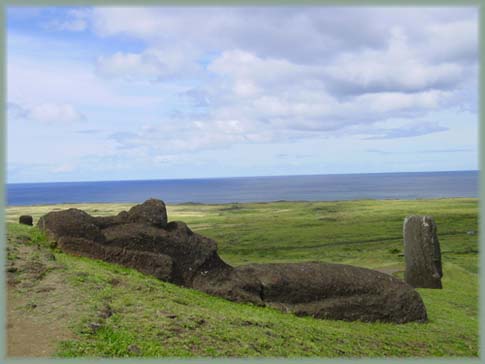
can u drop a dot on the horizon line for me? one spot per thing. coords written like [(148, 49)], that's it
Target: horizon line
[(230, 177)]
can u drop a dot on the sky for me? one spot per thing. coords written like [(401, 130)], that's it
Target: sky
[(164, 92)]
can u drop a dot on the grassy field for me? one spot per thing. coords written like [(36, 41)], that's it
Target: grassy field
[(111, 311)]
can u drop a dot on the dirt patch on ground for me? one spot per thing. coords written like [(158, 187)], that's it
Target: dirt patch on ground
[(40, 302)]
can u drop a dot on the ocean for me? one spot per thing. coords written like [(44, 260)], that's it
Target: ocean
[(416, 185)]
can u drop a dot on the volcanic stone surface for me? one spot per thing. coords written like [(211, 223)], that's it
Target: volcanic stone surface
[(321, 290), (26, 220), (422, 252), (143, 239)]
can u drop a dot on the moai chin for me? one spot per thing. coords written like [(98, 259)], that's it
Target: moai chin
[(422, 252)]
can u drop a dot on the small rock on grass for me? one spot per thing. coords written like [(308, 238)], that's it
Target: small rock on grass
[(134, 349), (94, 326), (106, 312), (31, 305), (26, 220), (49, 256)]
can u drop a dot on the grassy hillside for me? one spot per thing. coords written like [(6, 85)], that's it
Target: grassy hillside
[(109, 310)]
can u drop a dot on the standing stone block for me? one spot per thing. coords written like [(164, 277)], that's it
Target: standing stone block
[(26, 220), (422, 252)]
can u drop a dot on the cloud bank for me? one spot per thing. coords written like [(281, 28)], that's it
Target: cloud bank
[(167, 82)]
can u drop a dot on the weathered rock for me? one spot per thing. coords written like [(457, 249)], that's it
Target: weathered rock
[(157, 265), (137, 234), (422, 252), (26, 220), (72, 223), (321, 290), (230, 283), (189, 252), (106, 221), (151, 212), (142, 239)]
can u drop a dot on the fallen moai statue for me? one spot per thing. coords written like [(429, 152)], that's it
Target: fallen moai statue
[(143, 239), (422, 252)]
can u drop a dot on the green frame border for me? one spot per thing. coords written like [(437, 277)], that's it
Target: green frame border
[(384, 3)]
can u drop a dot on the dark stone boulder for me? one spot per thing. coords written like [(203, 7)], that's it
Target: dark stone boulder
[(106, 221), (230, 283), (157, 265), (26, 220), (422, 252), (142, 232), (190, 252), (142, 239), (152, 212), (321, 290), (71, 222)]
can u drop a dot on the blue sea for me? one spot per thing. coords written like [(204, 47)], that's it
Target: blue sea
[(253, 189)]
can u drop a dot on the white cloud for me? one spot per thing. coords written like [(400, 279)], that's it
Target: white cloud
[(400, 67), (301, 34), (54, 113), (141, 22), (76, 20), (408, 131), (376, 71), (128, 65), (64, 168), (39, 81), (76, 25), (292, 96), (167, 159), (243, 64), (201, 79), (48, 112), (460, 38), (154, 64), (385, 102)]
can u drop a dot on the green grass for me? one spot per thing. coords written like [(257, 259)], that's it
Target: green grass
[(152, 318)]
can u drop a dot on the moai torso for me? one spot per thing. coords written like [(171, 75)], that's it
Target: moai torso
[(422, 252)]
